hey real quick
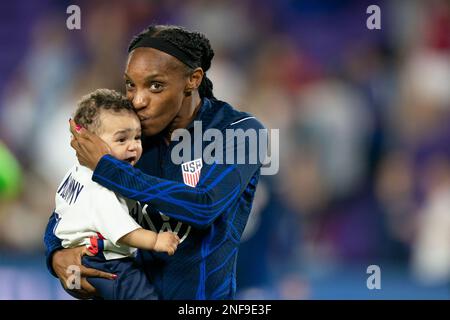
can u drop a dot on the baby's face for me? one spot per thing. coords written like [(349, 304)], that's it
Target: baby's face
[(122, 132)]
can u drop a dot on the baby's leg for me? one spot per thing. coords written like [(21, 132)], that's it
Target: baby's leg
[(131, 282)]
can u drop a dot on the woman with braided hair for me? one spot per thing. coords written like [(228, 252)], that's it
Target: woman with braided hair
[(204, 200)]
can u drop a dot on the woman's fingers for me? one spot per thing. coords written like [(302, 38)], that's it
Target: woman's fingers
[(74, 144), (73, 128), (78, 293), (81, 294), (89, 272), (84, 291), (86, 252), (88, 146), (78, 131), (79, 147), (87, 287)]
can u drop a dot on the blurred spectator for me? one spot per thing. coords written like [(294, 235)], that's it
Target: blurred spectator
[(10, 175), (431, 259)]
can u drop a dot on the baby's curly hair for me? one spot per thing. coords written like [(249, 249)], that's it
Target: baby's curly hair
[(90, 106)]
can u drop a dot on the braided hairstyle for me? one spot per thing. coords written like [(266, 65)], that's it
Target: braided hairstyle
[(194, 44)]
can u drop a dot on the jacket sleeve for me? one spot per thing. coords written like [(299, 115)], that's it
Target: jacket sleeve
[(219, 186), (51, 242)]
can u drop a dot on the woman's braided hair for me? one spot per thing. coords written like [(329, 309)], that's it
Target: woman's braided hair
[(192, 43)]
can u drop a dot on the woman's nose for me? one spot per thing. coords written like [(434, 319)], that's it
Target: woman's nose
[(139, 101)]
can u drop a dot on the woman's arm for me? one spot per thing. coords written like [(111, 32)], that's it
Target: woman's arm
[(198, 206), (60, 260), (51, 242), (219, 187)]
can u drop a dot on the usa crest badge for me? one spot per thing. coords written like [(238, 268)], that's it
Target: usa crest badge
[(191, 172)]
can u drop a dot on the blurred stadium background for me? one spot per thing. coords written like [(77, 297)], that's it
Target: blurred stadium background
[(364, 119)]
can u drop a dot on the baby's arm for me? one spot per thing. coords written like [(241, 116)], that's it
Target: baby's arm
[(111, 218), (149, 240)]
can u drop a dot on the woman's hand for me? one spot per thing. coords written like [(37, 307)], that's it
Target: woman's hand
[(88, 146), (64, 261)]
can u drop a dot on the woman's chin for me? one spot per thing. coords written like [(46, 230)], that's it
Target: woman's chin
[(150, 130)]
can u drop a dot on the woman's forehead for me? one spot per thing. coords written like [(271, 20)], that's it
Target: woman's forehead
[(149, 62)]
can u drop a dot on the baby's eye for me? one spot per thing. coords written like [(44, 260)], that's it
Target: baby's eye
[(121, 140)]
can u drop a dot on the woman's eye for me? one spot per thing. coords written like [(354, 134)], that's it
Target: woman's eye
[(129, 84), (138, 138), (155, 86)]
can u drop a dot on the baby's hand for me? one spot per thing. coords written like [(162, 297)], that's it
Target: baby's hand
[(167, 242)]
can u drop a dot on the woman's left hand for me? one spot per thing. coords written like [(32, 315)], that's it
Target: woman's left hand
[(88, 146)]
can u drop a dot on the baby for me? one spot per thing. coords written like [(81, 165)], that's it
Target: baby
[(91, 215)]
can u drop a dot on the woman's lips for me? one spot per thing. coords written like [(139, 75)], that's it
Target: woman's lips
[(143, 117), (146, 122)]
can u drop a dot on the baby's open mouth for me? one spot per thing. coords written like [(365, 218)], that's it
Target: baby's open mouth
[(130, 160)]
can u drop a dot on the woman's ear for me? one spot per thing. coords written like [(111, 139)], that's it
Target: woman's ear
[(194, 81)]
